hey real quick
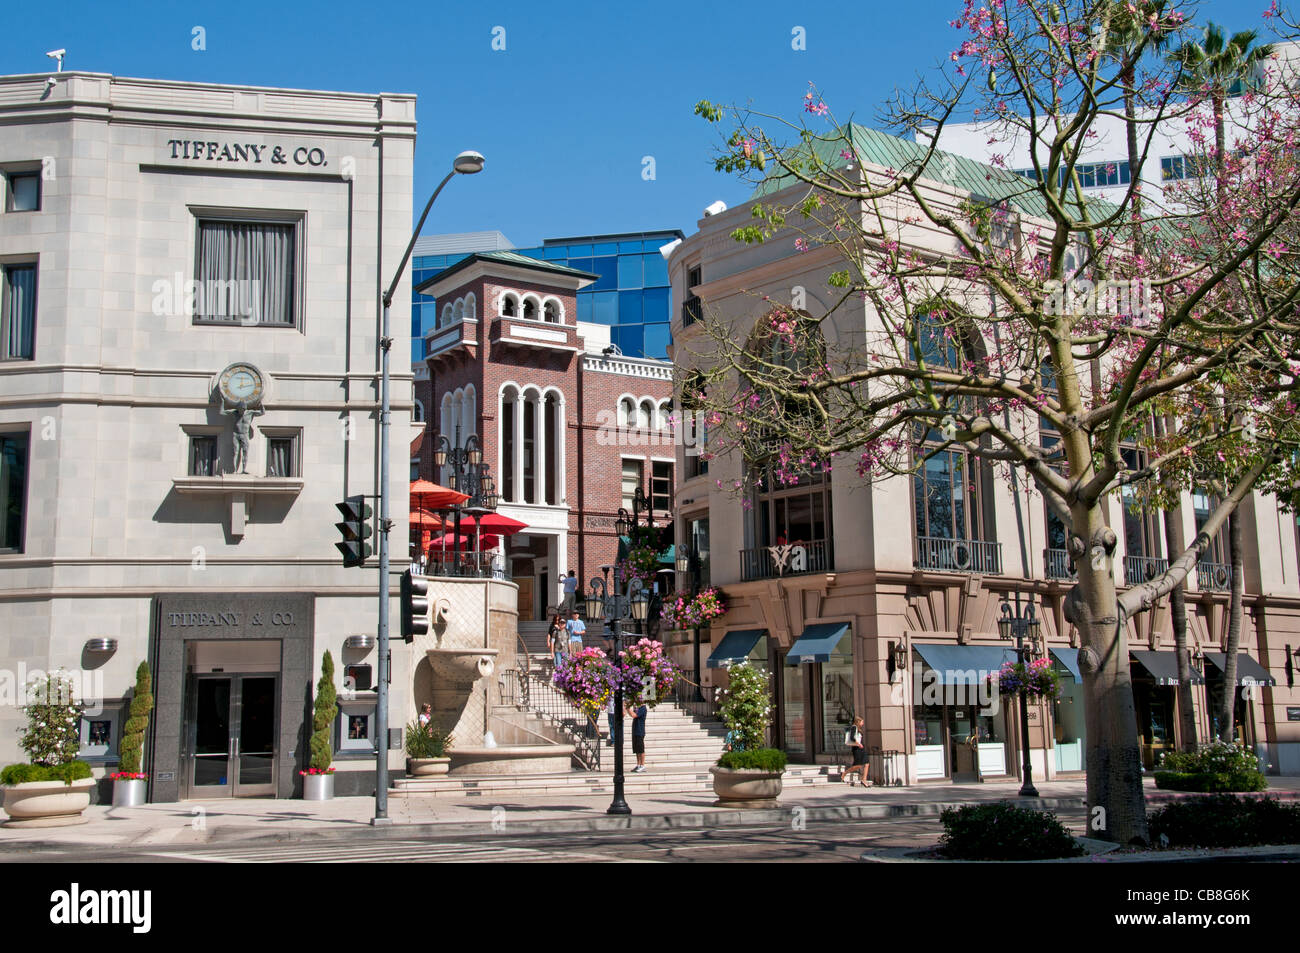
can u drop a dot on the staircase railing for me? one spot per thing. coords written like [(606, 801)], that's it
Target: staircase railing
[(528, 692), (684, 695)]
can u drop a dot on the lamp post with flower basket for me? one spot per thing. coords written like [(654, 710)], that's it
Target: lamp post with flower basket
[(1026, 677)]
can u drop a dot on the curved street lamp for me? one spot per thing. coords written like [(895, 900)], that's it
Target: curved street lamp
[(1022, 626), (467, 163)]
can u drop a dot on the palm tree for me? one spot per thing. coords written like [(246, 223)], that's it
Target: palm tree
[(1214, 67)]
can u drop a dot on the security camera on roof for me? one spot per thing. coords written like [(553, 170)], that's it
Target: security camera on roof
[(717, 208)]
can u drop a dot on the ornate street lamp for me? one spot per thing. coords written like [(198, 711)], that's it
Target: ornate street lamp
[(469, 474), (1022, 626)]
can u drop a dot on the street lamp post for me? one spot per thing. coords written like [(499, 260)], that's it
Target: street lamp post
[(467, 163), (469, 474), (688, 561), (1022, 626)]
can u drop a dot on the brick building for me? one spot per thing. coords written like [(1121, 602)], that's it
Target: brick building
[(568, 426)]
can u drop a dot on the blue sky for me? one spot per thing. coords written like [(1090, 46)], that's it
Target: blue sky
[(564, 115)]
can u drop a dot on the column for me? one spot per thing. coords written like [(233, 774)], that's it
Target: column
[(539, 439), (518, 462)]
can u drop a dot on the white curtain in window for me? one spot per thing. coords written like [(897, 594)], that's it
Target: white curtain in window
[(259, 259), (20, 310), (279, 458)]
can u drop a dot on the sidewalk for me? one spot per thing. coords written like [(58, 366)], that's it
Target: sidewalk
[(226, 820)]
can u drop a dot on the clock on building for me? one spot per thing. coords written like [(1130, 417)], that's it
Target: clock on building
[(241, 381)]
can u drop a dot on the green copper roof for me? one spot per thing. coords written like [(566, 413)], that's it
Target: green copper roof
[(905, 156)]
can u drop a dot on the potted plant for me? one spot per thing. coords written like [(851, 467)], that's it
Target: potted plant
[(318, 778), (748, 774), (129, 780), (426, 750), (54, 788)]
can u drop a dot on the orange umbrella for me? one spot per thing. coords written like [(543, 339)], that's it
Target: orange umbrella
[(427, 496)]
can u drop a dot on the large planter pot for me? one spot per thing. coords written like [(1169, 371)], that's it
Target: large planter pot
[(47, 803), (128, 793), (318, 787), (427, 767), (746, 787)]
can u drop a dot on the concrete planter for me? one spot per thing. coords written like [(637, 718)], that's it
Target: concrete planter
[(746, 787), (318, 787), (128, 793), (427, 767), (47, 803)]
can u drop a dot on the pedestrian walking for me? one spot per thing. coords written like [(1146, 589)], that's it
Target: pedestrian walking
[(638, 716), (855, 742), (557, 636)]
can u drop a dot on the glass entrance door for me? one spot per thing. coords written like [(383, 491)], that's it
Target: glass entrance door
[(796, 711), (232, 721)]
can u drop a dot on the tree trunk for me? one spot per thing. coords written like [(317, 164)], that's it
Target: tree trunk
[(1178, 616), (1228, 709), (1116, 806), (1130, 124)]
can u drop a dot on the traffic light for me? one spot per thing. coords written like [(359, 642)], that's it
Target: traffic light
[(356, 531), (415, 606)]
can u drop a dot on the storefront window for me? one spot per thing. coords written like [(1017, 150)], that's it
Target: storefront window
[(1068, 724), (794, 712), (837, 697)]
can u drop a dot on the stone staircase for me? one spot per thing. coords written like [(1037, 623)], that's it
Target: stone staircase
[(680, 749)]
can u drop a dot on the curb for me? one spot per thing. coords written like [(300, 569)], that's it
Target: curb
[(646, 822)]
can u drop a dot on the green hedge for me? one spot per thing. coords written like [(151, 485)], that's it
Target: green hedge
[(1225, 821), (1211, 781), (23, 773), (761, 759), (1004, 831)]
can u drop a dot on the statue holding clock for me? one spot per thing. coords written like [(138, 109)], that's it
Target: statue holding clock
[(241, 386)]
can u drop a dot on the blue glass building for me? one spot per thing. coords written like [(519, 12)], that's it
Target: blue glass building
[(631, 295)]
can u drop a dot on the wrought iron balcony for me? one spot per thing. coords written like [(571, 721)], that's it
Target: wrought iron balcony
[(1059, 564), (692, 310), (768, 562), (958, 555), (1140, 569), (1214, 577)]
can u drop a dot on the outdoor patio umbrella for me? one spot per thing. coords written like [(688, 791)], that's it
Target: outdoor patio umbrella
[(496, 523), (426, 496)]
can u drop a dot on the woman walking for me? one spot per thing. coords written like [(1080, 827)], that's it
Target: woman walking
[(853, 738)]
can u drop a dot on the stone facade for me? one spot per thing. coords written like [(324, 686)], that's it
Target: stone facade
[(123, 378), (872, 575)]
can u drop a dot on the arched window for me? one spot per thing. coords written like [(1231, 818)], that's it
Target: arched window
[(417, 412), (531, 437), (645, 417), (509, 305), (665, 410), (551, 311), (530, 308), (458, 313), (627, 412), (446, 315), (471, 307), (468, 413), (508, 418)]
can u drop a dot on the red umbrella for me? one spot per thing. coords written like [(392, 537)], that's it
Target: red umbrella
[(427, 496), (496, 523), (447, 541)]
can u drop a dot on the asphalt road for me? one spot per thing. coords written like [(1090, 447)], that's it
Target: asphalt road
[(816, 842)]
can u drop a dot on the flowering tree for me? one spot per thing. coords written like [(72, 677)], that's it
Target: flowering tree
[(52, 736), (1049, 336)]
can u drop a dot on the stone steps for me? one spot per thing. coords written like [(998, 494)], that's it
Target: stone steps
[(587, 783)]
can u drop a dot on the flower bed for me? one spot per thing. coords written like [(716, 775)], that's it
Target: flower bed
[(1217, 766)]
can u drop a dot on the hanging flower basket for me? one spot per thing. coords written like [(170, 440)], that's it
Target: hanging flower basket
[(647, 677), (586, 679), (1037, 680), (641, 563), (697, 612), (674, 613)]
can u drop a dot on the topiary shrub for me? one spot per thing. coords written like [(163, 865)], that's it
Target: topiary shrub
[(1004, 831), (746, 707), (322, 722), (760, 759), (23, 773), (131, 747), (1225, 821)]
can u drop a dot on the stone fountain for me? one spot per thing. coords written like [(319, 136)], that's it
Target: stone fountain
[(472, 627)]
